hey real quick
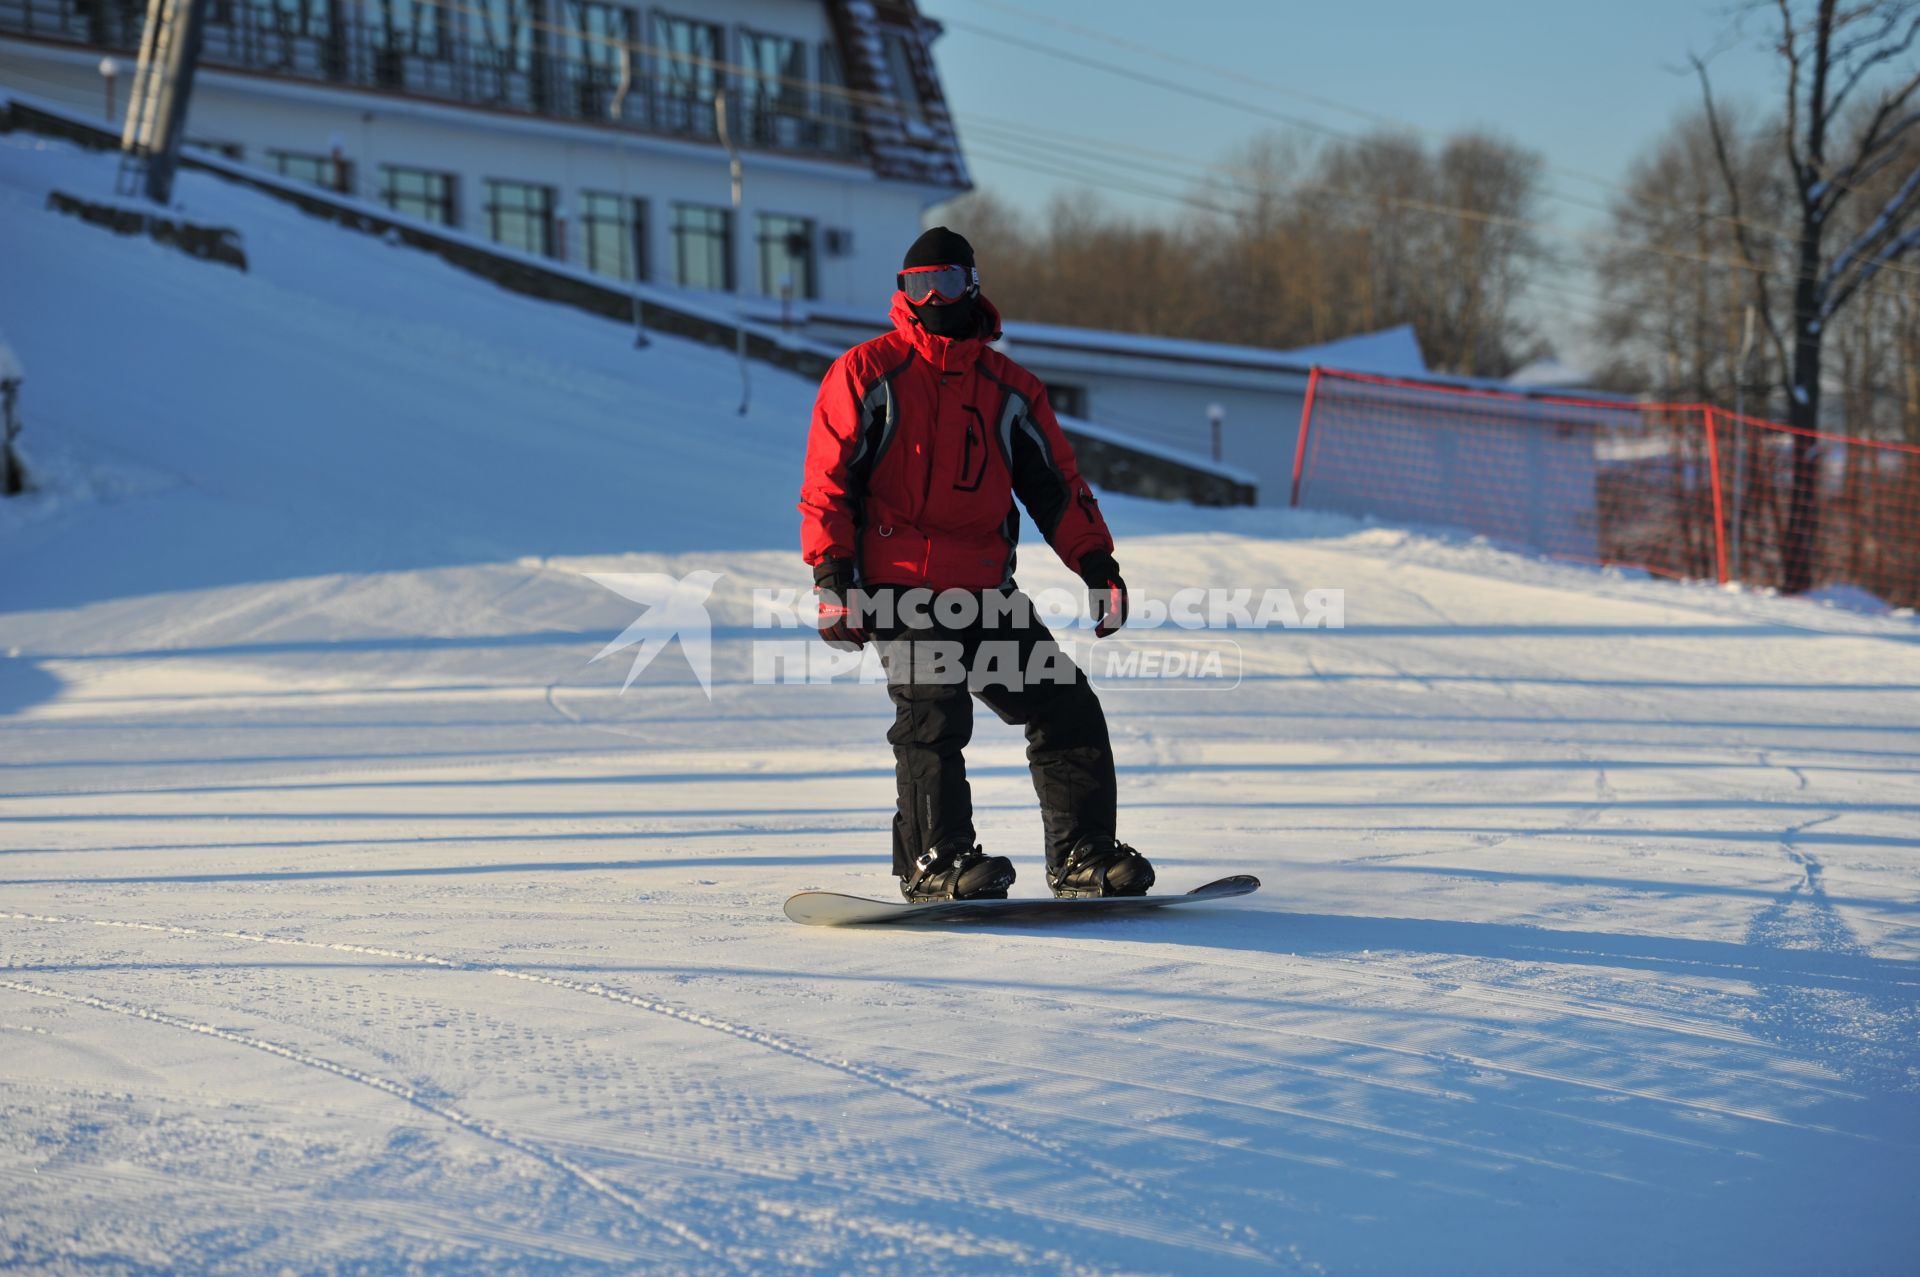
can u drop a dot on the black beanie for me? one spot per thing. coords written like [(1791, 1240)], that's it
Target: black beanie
[(939, 247)]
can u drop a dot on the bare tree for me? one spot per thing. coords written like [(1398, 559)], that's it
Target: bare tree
[(1292, 247), (1449, 236), (1006, 242), (1085, 265), (1878, 337), (1830, 55), (1673, 318), (1278, 272)]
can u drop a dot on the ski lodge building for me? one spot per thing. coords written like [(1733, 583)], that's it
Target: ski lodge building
[(1242, 410), (597, 136), (575, 130)]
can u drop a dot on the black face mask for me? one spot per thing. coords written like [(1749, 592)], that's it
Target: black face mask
[(958, 320)]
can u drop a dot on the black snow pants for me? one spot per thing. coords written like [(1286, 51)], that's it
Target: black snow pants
[(934, 669)]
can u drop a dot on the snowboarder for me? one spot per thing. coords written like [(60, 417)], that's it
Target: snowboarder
[(921, 439)]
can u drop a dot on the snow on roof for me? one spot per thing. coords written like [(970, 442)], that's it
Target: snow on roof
[(1393, 352), (902, 146), (1550, 373)]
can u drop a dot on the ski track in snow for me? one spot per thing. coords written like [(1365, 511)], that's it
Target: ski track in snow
[(466, 1122), (1049, 1149)]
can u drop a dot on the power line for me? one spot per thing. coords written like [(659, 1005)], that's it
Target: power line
[(1283, 90), (1052, 167), (1783, 235), (887, 106), (881, 105), (1587, 308), (1035, 139), (1141, 77), (1106, 37), (1036, 158), (1186, 90)]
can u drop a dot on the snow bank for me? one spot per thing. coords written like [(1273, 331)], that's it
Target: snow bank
[(1851, 598)]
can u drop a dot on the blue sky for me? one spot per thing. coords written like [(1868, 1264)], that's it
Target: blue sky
[(1588, 85)]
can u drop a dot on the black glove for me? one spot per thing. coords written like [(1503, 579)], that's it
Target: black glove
[(833, 582), (1106, 592)]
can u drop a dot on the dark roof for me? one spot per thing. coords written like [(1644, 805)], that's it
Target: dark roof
[(901, 147)]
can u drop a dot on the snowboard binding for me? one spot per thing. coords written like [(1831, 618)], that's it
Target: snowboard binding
[(963, 874), (1100, 865)]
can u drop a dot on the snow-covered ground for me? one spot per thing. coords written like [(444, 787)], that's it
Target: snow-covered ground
[(353, 922)]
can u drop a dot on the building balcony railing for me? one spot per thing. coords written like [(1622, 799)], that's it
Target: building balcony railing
[(356, 49)]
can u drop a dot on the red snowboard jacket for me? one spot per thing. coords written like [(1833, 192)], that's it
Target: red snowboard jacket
[(918, 447)]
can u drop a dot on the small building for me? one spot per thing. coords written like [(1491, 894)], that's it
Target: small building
[(1163, 390), (579, 130), (1172, 391), (1388, 438)]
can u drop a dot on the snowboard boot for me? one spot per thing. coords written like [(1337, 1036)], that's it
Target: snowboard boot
[(958, 874), (1101, 865)]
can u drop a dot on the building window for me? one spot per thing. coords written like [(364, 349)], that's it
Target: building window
[(413, 27), (690, 53), (1068, 401), (520, 215), (418, 193), (906, 85), (773, 96), (786, 255), (703, 247), (505, 31), (613, 235), (594, 51), (836, 108), (291, 17), (315, 170)]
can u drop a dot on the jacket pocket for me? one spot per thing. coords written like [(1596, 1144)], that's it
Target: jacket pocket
[(892, 554), (973, 450)]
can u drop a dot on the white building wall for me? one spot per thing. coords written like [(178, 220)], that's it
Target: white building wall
[(1402, 459), (1257, 434), (258, 113)]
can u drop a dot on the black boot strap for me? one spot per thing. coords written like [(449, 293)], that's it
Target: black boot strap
[(933, 865)]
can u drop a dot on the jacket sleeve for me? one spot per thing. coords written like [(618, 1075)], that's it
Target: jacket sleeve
[(828, 500), (1047, 480)]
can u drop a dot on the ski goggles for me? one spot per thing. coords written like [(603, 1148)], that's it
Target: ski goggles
[(938, 284)]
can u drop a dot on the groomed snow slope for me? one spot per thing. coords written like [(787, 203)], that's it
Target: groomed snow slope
[(353, 922)]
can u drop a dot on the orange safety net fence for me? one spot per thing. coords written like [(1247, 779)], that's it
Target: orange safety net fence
[(1680, 490)]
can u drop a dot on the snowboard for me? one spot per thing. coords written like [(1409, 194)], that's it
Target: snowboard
[(832, 909)]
